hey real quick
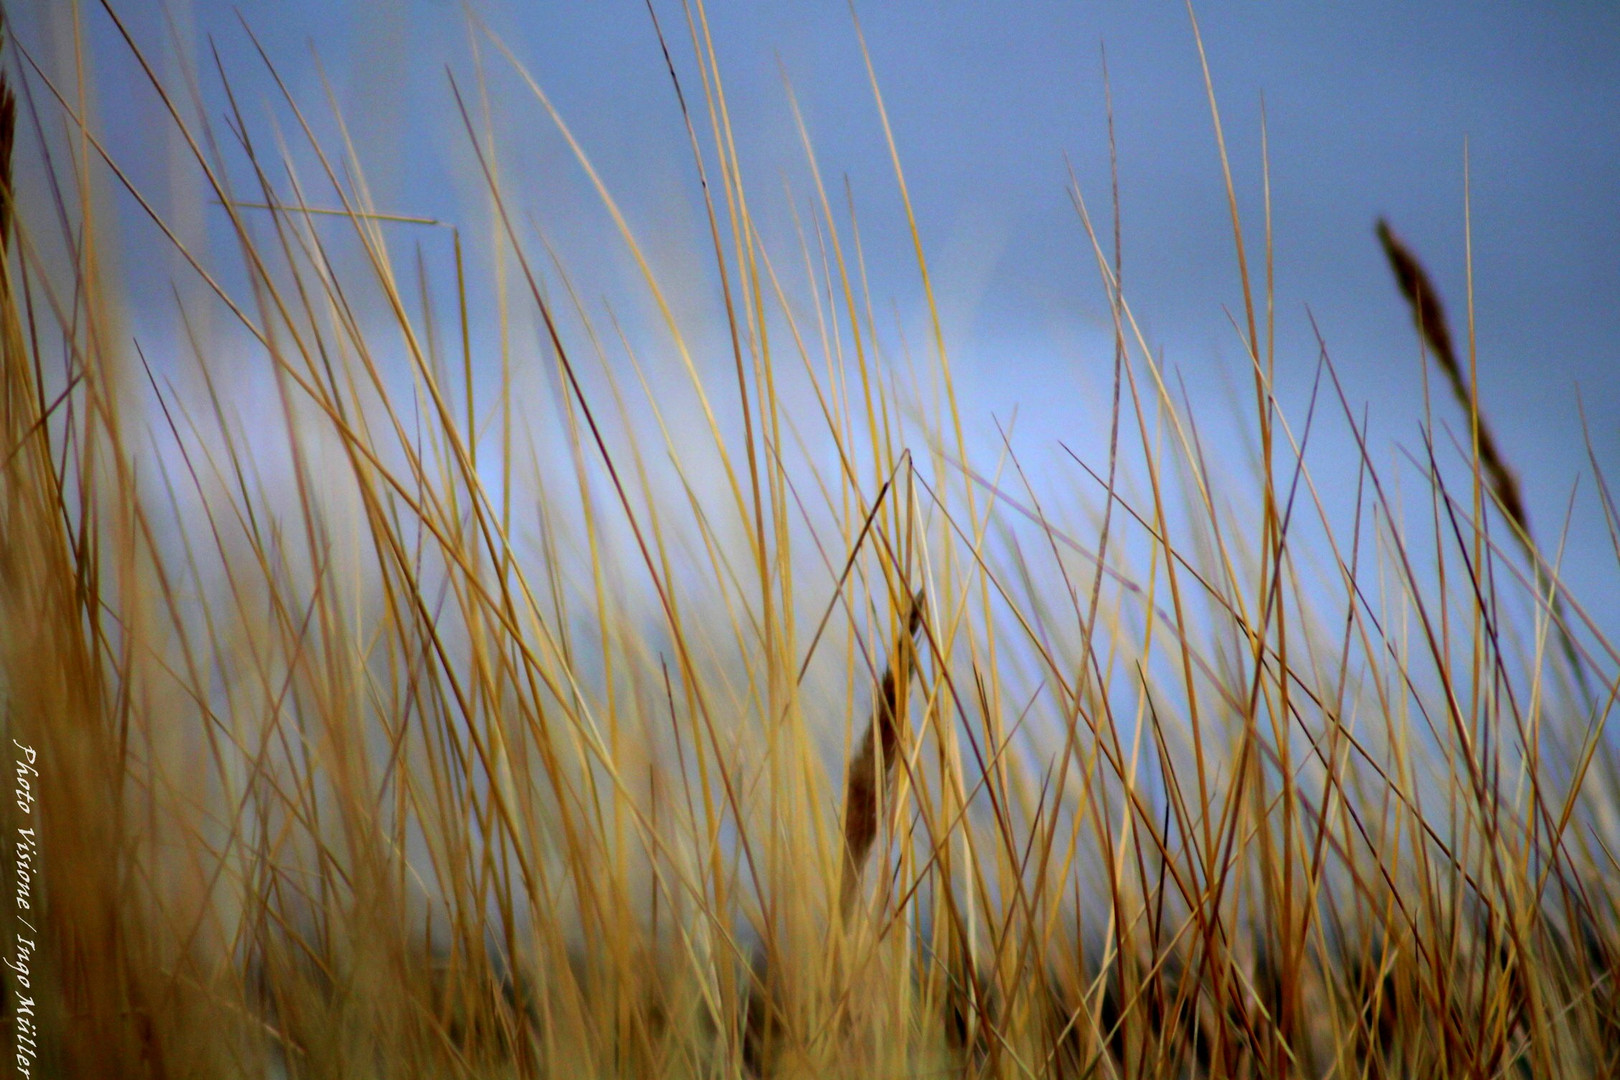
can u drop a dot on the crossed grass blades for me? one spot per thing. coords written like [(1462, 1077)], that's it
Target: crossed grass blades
[(383, 737)]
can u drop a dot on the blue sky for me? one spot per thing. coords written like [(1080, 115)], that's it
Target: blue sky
[(1369, 108)]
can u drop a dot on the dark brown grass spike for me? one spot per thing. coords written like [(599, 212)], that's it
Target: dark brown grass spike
[(867, 777), (1430, 315)]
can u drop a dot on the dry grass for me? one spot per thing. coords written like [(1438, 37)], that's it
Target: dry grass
[(466, 692)]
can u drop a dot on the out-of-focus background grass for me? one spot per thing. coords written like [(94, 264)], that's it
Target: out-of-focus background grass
[(1370, 111)]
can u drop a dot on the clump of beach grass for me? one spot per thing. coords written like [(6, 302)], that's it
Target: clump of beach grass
[(451, 688)]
